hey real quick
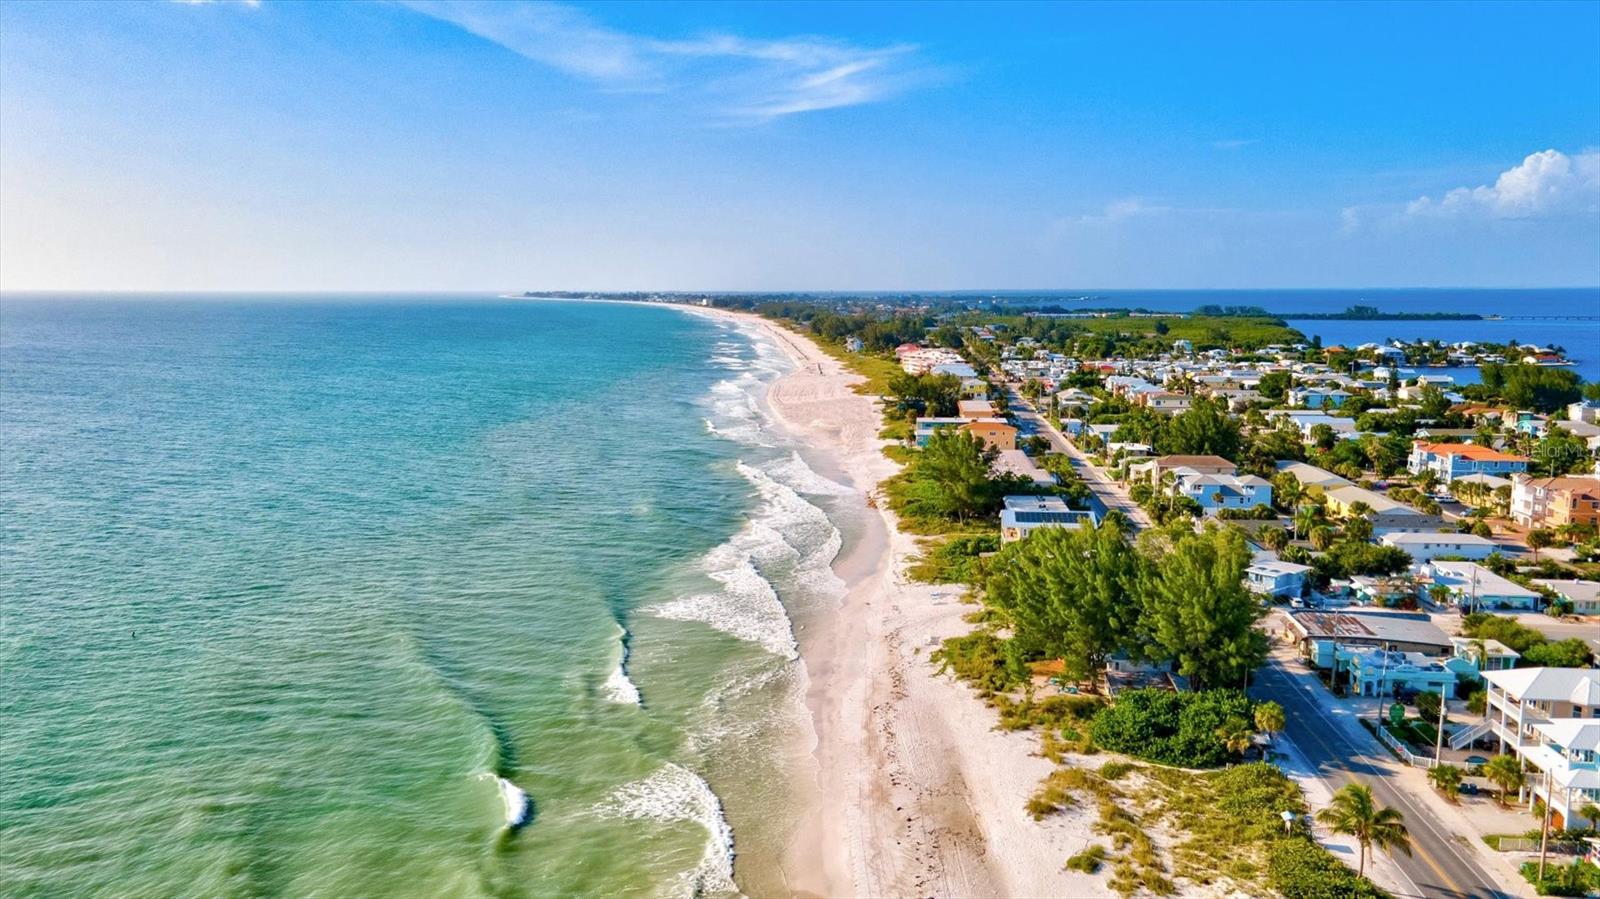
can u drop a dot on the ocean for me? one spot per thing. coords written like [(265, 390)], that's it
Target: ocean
[(414, 596)]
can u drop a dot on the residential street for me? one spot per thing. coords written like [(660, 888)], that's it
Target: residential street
[(1340, 751), (1107, 494)]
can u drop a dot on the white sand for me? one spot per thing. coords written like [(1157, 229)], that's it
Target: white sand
[(916, 793)]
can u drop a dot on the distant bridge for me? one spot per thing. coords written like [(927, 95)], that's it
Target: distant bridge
[(1542, 318)]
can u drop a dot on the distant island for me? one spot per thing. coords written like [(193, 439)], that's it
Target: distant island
[(1352, 313)]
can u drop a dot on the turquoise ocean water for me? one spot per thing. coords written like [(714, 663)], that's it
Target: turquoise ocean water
[(409, 597)]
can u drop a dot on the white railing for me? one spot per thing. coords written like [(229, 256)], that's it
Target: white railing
[(1400, 748), (1466, 735)]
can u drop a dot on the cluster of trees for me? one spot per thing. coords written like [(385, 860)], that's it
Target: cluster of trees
[(1191, 730), (924, 395), (1536, 649), (1083, 595), (952, 479), (1205, 428), (1536, 387)]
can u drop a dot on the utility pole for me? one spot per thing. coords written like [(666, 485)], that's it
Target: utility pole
[(1383, 676), (1438, 736), (1544, 822)]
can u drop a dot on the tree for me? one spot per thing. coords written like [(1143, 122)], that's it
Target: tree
[(1425, 480), (1269, 718), (931, 395), (1206, 428), (1358, 530), (1065, 593), (1274, 385), (1275, 538), (1306, 518), (1324, 436), (1236, 735), (954, 470), (1197, 611), (1571, 653), (1354, 813), (1480, 528), (1505, 772), (1434, 403), (1321, 537), (1446, 779), (1560, 452), (1538, 539), (1428, 707)]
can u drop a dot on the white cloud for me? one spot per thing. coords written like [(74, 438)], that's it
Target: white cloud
[(730, 76), (1122, 210), (1546, 184), (1233, 144)]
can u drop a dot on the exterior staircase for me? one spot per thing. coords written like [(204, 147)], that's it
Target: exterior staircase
[(1463, 736)]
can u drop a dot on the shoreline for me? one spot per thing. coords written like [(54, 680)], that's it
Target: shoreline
[(914, 790)]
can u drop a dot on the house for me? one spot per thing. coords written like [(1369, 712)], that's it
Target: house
[(1474, 587), (955, 368), (1544, 717), (1584, 595), (926, 426), (1553, 502), (1386, 592), (1379, 672), (1424, 547), (1153, 469), (1017, 462), (1312, 476), (974, 389), (1585, 411), (1023, 514), (1451, 460), (1483, 655), (1404, 631), (1567, 757), (994, 432), (1317, 398), (1183, 346), (1215, 492), (1388, 516), (972, 410), (1274, 577), (853, 344), (1163, 401)]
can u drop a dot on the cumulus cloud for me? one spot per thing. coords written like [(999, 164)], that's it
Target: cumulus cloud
[(1546, 184), (735, 77)]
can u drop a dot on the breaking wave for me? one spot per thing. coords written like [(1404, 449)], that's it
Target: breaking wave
[(674, 793), (513, 798), (619, 687)]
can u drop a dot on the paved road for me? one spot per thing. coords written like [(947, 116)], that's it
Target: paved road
[(1439, 865), (1106, 493)]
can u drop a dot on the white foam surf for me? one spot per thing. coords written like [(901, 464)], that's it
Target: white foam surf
[(674, 793), (619, 687), (513, 799), (794, 472)]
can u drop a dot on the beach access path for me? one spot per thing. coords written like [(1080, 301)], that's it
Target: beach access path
[(913, 791)]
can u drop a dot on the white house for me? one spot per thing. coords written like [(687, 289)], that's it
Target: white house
[(1548, 718), (1427, 547), (1584, 595)]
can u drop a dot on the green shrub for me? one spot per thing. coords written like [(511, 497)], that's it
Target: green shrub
[(1300, 869), (1116, 770), (952, 561), (1579, 878), (980, 659), (1171, 728), (1089, 860)]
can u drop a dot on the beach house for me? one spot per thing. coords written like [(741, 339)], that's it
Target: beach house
[(1544, 716), (925, 427), (1215, 492), (974, 410), (1424, 547), (1451, 460), (1024, 514), (1318, 398), (1474, 587), (1405, 631), (1584, 595), (996, 433), (1152, 470), (1553, 502), (1487, 654), (1378, 672), (1388, 516), (1274, 577)]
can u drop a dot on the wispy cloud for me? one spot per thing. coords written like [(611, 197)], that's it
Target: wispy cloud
[(732, 77), (1545, 184), (1233, 144), (1121, 211)]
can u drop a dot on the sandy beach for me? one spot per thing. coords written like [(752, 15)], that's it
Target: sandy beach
[(916, 792)]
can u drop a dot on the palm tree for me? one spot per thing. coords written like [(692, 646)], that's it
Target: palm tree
[(1269, 716), (1305, 518), (1354, 813), (1505, 772), (1275, 538), (1446, 779), (1236, 735), (1321, 537)]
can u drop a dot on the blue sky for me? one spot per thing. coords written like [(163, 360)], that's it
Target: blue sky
[(430, 145)]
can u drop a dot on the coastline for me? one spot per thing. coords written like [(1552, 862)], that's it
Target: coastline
[(914, 791)]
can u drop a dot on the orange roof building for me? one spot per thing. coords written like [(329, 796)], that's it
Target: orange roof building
[(1452, 460)]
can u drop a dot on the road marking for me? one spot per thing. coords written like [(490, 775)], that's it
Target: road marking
[(1399, 796)]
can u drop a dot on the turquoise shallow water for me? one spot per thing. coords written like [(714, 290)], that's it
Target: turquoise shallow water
[(301, 598)]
